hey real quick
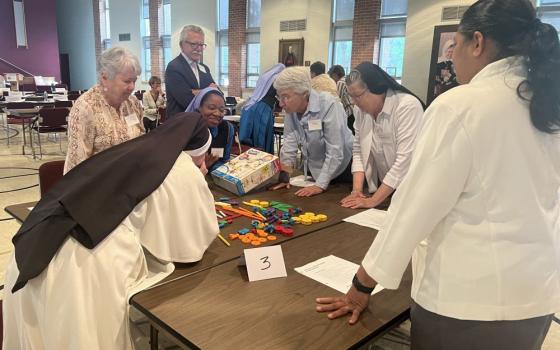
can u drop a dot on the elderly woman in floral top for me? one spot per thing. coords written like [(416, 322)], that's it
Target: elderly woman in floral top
[(107, 114)]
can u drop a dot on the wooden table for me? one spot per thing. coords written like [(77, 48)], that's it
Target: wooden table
[(326, 203), (20, 211), (219, 309)]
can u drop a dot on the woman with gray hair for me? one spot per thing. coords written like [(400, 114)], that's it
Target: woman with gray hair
[(106, 114), (316, 123)]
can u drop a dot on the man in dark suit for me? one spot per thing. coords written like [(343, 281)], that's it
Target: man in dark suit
[(185, 75)]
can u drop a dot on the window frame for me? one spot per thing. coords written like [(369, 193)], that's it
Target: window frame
[(549, 9), (391, 19)]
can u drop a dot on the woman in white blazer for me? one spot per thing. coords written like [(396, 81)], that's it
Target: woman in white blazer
[(479, 210), (388, 117)]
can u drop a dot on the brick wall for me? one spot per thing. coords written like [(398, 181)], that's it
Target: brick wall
[(156, 45), (365, 33), (97, 30), (236, 45)]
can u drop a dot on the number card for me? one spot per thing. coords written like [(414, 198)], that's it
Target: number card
[(265, 263)]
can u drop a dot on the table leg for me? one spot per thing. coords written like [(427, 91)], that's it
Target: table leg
[(153, 338), (31, 138)]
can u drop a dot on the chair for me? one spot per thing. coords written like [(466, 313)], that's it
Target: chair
[(44, 88), (162, 113), (51, 120), (20, 113), (34, 98), (61, 86), (73, 97), (49, 174), (231, 101), (65, 104), (28, 84)]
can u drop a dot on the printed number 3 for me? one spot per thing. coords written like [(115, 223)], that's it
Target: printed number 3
[(265, 261)]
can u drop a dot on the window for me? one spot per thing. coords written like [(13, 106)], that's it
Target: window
[(343, 10), (105, 24), (223, 14), (253, 59), (391, 48), (145, 33), (253, 13), (392, 36), (342, 47), (394, 8), (341, 43), (549, 12), (253, 43), (222, 40), (166, 32), (223, 61)]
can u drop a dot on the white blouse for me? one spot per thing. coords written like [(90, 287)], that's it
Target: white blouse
[(479, 209), (383, 146)]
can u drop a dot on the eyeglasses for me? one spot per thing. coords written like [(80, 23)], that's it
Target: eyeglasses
[(356, 97), (283, 98), (196, 45)]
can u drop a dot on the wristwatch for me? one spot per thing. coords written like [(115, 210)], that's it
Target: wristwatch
[(360, 287)]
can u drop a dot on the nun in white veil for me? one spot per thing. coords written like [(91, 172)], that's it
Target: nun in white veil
[(80, 299)]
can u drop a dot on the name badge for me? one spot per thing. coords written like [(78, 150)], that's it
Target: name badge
[(217, 152), (314, 124), (131, 119), (201, 68)]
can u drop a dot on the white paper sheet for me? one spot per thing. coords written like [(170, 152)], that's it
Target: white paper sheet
[(299, 181), (373, 218), (334, 272)]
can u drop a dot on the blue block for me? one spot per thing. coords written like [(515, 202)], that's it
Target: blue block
[(244, 231)]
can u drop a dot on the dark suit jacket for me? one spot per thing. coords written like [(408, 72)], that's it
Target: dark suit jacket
[(179, 83)]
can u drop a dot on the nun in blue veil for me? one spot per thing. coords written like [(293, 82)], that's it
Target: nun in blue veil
[(256, 127), (210, 103)]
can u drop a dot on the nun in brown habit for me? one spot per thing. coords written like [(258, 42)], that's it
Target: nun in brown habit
[(109, 228)]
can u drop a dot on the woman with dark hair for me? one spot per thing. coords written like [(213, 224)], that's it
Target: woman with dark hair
[(480, 207), (387, 120), (210, 103)]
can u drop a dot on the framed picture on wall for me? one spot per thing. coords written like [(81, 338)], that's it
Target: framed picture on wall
[(290, 52), (442, 72)]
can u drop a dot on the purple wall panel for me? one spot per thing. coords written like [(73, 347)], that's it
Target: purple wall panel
[(41, 56)]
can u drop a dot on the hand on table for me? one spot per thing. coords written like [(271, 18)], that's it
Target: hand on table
[(309, 191), (352, 195), (279, 186), (353, 303), (358, 202)]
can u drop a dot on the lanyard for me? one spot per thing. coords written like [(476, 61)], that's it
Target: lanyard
[(302, 142)]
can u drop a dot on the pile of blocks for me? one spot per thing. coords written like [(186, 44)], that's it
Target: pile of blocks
[(267, 218)]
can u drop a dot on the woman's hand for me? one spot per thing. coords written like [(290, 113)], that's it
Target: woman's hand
[(358, 202), (283, 181), (353, 302), (210, 160), (309, 191), (353, 195), (279, 186)]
